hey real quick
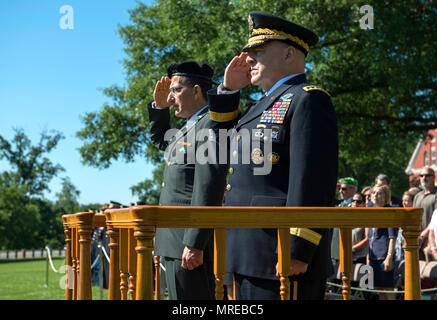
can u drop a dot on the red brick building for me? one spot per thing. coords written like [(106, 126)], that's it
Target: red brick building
[(424, 155)]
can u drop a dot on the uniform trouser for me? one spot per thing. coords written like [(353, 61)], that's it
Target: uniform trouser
[(183, 284), (250, 288)]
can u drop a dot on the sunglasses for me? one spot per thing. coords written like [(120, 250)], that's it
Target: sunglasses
[(358, 201), (426, 175)]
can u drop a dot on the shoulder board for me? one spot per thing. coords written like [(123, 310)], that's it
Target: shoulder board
[(312, 88)]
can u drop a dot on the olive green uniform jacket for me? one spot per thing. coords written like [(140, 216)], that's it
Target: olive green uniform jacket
[(187, 180)]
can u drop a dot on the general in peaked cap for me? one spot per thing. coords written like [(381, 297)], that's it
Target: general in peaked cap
[(292, 128), (191, 69), (264, 27)]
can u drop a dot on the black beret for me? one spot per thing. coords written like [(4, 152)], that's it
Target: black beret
[(264, 27), (191, 69)]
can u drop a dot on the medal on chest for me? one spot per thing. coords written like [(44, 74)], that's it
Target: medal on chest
[(276, 114)]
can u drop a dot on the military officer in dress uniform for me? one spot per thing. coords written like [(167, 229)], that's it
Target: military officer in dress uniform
[(187, 254), (303, 156)]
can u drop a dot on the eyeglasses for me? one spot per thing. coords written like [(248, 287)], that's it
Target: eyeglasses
[(426, 175), (176, 89), (358, 201), (343, 189)]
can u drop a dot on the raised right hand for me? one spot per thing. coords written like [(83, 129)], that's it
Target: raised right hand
[(162, 90), (237, 73)]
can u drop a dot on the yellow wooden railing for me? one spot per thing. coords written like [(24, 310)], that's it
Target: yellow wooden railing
[(77, 229), (132, 230)]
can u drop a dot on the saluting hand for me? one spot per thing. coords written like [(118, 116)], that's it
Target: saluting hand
[(237, 73), (191, 258), (162, 90)]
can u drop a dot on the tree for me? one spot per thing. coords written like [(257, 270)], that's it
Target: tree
[(67, 200), (32, 169), (149, 190), (19, 218), (26, 219), (51, 229), (382, 81)]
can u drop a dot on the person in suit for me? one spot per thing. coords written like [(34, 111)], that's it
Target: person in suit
[(187, 254), (298, 120)]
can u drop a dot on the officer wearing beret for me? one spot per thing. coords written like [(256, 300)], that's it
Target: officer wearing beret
[(299, 121), (186, 253)]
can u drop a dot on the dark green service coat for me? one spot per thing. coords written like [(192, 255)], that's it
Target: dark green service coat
[(186, 181)]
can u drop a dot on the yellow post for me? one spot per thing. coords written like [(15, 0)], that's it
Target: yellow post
[(219, 261), (68, 262), (157, 278), (346, 261), (85, 262), (114, 270), (412, 271), (75, 260), (284, 262), (132, 264), (123, 262), (144, 236)]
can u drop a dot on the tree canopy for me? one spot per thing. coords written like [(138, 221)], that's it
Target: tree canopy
[(31, 169), (27, 219), (381, 80)]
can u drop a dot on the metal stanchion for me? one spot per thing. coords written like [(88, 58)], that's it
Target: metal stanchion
[(47, 269)]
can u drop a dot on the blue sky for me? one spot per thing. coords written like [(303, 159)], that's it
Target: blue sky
[(51, 76)]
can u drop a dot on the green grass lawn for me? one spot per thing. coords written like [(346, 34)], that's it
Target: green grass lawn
[(25, 280)]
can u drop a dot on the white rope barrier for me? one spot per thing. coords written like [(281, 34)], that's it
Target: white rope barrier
[(104, 252), (162, 267), (50, 260), (95, 261), (378, 291), (58, 271)]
